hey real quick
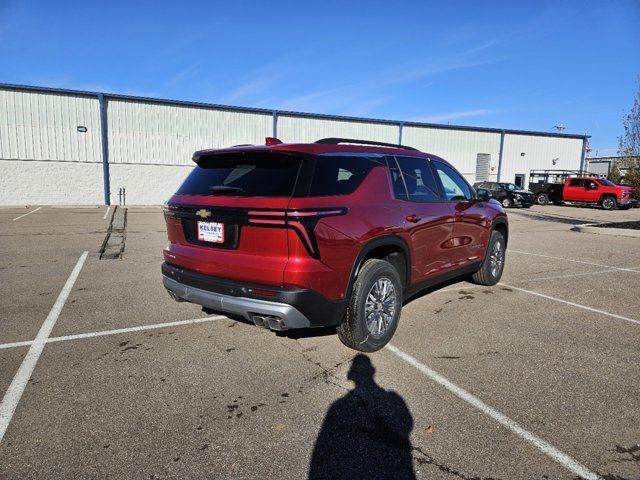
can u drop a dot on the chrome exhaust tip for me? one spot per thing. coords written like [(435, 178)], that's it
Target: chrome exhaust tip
[(269, 321), (175, 297)]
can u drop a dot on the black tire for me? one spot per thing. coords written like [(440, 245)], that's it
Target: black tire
[(354, 332), (486, 275), (608, 203), (542, 199), (506, 202)]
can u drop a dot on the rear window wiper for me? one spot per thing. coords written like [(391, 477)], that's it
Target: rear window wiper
[(224, 188)]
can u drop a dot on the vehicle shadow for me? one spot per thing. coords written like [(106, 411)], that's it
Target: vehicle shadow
[(326, 331), (365, 433)]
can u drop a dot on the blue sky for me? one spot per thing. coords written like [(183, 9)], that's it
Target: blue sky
[(526, 65)]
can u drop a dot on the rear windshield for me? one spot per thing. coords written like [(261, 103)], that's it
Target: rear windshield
[(244, 174)]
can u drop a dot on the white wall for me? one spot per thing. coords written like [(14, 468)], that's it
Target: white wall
[(44, 126), (146, 184), (293, 129), (459, 147), (44, 159), (539, 154), (50, 183), (147, 133)]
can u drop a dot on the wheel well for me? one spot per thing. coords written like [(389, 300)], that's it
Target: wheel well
[(605, 195), (392, 254), (502, 228)]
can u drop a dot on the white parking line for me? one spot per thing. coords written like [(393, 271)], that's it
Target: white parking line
[(19, 382), (574, 261), (28, 213), (114, 332), (106, 213), (542, 445), (556, 277), (566, 302)]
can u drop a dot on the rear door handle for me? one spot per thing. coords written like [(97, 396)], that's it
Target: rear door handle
[(459, 214), (413, 218)]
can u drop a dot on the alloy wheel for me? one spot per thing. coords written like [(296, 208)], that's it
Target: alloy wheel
[(380, 307)]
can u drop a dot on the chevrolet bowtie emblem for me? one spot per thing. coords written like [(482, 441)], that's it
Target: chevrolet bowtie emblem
[(202, 213)]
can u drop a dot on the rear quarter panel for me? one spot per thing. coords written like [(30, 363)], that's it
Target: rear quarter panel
[(372, 212)]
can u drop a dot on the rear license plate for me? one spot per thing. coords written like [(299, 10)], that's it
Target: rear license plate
[(212, 232)]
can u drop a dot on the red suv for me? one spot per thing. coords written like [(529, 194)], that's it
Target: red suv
[(334, 233)]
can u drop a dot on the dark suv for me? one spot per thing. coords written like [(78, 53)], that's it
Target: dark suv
[(334, 233), (508, 194)]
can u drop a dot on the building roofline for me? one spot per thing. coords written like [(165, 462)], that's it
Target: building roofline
[(266, 111)]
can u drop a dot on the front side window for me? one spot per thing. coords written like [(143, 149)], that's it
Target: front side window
[(456, 189), (416, 183)]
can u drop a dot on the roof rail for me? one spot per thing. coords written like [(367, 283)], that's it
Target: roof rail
[(337, 141)]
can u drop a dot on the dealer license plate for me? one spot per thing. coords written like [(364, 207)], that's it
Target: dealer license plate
[(212, 232)]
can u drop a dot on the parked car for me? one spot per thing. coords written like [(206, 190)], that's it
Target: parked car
[(334, 233), (508, 194)]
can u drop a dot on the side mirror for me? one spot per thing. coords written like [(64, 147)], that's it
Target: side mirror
[(484, 195), (592, 186)]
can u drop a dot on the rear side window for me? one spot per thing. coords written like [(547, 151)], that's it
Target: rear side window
[(244, 174), (340, 174), (416, 178), (576, 182)]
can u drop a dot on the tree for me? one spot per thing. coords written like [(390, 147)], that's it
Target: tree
[(614, 173), (629, 143)]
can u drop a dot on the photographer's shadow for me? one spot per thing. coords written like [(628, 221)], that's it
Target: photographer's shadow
[(365, 434)]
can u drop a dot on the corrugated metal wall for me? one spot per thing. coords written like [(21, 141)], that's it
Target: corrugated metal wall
[(161, 134), (460, 147), (539, 154), (151, 143), (44, 126), (297, 129)]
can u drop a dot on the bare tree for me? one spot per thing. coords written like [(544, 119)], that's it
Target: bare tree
[(629, 143)]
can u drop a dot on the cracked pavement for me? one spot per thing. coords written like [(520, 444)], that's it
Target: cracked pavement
[(225, 399)]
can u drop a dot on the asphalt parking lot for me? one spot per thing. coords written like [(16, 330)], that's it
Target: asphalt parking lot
[(536, 377)]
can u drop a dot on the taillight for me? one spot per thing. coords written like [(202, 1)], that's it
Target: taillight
[(302, 221)]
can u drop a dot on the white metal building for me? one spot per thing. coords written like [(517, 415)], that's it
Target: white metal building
[(78, 148)]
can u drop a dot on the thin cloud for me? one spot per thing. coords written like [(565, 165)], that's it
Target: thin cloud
[(252, 88), (184, 74)]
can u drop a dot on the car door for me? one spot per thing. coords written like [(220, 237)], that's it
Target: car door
[(574, 190), (591, 191), (497, 191), (428, 219), (470, 232)]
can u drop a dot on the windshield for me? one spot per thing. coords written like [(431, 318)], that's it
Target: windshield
[(606, 182), (510, 186)]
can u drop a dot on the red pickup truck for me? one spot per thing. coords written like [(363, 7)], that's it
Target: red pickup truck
[(598, 191)]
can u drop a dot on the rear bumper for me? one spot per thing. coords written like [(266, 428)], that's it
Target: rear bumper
[(288, 308)]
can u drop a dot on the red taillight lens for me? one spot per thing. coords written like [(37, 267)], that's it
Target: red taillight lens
[(302, 221)]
